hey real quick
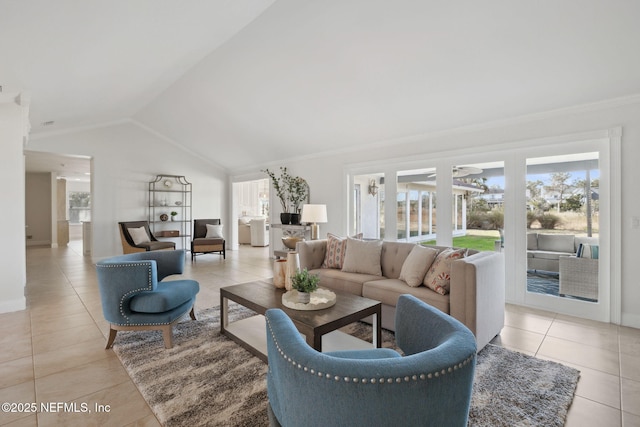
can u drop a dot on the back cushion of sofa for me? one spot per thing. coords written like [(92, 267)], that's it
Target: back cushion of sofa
[(532, 241), (393, 256), (556, 242)]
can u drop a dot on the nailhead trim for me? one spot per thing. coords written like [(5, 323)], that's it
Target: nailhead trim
[(381, 380), (133, 291)]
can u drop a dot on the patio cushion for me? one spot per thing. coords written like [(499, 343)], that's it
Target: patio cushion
[(556, 242), (547, 254)]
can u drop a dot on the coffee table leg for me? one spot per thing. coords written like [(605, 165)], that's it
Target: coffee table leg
[(377, 331), (315, 342), (224, 313)]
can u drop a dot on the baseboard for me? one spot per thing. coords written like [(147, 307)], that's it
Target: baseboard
[(631, 320), (13, 305), (38, 242)]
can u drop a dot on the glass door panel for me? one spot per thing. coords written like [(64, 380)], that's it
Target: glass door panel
[(562, 197), (478, 206), (416, 198), (368, 206)]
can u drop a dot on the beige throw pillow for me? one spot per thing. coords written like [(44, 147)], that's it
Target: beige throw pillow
[(416, 265), (214, 231), (363, 256), (438, 277), (139, 235)]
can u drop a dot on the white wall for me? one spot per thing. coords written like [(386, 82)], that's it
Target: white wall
[(12, 175), (326, 177), (125, 158)]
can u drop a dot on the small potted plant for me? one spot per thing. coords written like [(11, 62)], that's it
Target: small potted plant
[(304, 283), (173, 215)]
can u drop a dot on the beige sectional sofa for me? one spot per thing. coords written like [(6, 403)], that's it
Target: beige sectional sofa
[(544, 250), (477, 287)]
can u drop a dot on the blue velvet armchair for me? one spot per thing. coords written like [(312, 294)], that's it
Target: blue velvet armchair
[(430, 385), (135, 296)]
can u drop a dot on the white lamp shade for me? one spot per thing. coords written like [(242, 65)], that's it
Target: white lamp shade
[(314, 213)]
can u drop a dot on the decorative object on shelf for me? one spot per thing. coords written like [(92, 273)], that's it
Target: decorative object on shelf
[(293, 265), (295, 218), (304, 283), (320, 299), (314, 214), (291, 241), (279, 272), (373, 188), (292, 191), (298, 192), (285, 218), (281, 185), (167, 194)]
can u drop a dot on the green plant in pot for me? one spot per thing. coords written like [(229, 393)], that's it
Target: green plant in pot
[(281, 185), (173, 215), (304, 283), (298, 192)]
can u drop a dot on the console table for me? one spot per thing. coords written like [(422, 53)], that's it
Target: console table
[(277, 247)]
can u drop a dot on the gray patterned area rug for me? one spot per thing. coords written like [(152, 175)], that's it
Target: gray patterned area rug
[(208, 380)]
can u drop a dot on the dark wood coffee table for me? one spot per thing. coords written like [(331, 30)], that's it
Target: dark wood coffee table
[(262, 295)]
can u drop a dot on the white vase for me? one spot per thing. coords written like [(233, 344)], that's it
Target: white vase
[(279, 272), (304, 297), (293, 264)]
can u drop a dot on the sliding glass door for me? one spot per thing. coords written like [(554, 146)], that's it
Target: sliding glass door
[(562, 235), (549, 205)]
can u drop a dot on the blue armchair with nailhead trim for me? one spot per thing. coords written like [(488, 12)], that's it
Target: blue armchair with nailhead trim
[(135, 295), (430, 385)]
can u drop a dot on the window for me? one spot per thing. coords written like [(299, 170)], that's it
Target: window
[(79, 207)]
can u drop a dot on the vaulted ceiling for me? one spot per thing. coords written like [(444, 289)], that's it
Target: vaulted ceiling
[(247, 82)]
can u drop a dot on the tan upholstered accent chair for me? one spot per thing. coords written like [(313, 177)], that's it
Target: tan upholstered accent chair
[(128, 244), (201, 244)]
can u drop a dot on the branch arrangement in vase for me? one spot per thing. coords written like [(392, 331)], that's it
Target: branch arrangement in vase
[(291, 190)]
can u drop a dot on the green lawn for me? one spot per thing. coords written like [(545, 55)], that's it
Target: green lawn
[(480, 243)]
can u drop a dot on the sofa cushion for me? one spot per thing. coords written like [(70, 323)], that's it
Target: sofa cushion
[(416, 265), (336, 249), (438, 277), (138, 235), (363, 256), (393, 256), (556, 242), (532, 241), (387, 292), (342, 281)]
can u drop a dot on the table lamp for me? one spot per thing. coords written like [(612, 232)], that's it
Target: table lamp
[(314, 214)]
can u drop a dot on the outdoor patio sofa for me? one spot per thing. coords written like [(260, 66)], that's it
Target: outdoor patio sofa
[(477, 284), (544, 250)]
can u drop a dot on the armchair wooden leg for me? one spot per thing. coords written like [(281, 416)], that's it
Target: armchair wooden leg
[(167, 334), (112, 338), (192, 313)]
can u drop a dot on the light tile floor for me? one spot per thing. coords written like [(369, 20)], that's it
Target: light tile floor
[(54, 350)]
